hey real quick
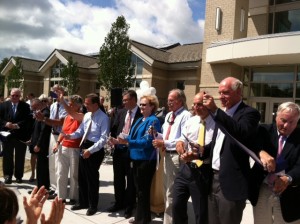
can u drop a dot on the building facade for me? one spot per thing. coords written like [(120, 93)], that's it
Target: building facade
[(256, 41)]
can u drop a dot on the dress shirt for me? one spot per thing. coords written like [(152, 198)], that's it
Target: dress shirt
[(98, 130), (182, 115), (61, 113), (191, 130), (220, 138)]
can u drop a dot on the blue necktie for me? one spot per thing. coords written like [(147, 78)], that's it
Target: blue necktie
[(14, 107)]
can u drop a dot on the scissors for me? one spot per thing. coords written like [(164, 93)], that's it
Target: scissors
[(194, 145)]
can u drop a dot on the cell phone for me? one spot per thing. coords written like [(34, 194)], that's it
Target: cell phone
[(53, 95)]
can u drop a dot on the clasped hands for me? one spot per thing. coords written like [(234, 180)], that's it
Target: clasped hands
[(188, 156)]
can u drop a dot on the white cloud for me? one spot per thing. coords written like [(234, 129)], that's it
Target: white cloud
[(37, 30)]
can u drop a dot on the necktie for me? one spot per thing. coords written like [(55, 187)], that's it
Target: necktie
[(201, 134), (201, 140), (272, 176), (171, 122), (127, 125), (87, 131), (280, 145), (14, 107)]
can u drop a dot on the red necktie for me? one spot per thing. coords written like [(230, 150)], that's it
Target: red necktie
[(127, 125), (171, 122)]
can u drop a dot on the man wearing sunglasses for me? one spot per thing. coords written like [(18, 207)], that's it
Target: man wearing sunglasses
[(15, 119)]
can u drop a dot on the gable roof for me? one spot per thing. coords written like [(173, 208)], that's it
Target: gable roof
[(84, 61), (175, 53), (29, 65)]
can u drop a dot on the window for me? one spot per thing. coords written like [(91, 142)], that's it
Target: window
[(284, 17), (56, 69), (272, 82), (180, 85)]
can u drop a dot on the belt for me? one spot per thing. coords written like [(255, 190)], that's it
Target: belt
[(216, 172), (171, 151), (192, 165), (54, 132)]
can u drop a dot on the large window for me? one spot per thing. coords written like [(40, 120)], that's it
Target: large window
[(272, 82), (284, 17), (138, 70), (55, 77)]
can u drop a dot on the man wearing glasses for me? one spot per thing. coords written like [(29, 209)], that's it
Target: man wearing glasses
[(123, 179), (171, 132), (15, 119)]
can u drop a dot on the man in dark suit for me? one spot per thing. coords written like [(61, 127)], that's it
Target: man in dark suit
[(275, 192), (230, 164), (123, 179), (40, 139), (14, 118)]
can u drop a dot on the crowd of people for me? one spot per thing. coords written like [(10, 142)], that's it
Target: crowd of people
[(203, 154)]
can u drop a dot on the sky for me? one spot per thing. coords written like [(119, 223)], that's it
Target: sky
[(34, 28)]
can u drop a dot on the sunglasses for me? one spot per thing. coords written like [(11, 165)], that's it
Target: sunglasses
[(14, 95), (198, 104), (143, 104)]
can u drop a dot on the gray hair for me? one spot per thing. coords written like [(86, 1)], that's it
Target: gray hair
[(236, 84), (290, 107), (180, 96)]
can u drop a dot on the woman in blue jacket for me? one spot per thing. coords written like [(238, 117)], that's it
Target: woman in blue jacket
[(143, 156)]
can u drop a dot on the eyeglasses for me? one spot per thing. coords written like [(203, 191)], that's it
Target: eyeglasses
[(14, 95), (143, 104), (198, 104)]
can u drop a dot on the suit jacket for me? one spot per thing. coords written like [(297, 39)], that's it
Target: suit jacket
[(41, 133), (268, 141), (22, 118), (234, 162), (140, 143), (119, 121)]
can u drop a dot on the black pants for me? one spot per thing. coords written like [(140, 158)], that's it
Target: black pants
[(190, 182), (143, 171), (88, 177), (123, 178), (42, 170), (13, 146)]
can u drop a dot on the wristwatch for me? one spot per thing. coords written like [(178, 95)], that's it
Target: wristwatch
[(290, 179)]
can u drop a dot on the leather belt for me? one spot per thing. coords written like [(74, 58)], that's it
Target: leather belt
[(55, 132), (171, 151), (216, 172)]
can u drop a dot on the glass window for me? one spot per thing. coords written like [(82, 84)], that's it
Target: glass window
[(284, 90), (287, 21), (284, 1), (180, 85), (56, 69), (272, 81)]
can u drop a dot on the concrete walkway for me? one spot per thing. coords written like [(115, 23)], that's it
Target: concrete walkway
[(106, 199)]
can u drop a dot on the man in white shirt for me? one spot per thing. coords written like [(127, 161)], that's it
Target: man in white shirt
[(193, 176), (171, 132)]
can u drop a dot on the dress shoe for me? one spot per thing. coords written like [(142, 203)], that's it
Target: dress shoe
[(52, 196), (127, 213), (31, 179), (132, 220), (71, 202), (114, 208), (7, 180), (91, 211), (19, 180), (78, 207)]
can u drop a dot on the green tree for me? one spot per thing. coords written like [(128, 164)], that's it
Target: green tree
[(2, 78), (115, 58), (15, 78), (70, 75)]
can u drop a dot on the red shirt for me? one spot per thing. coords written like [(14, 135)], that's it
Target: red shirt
[(70, 125)]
